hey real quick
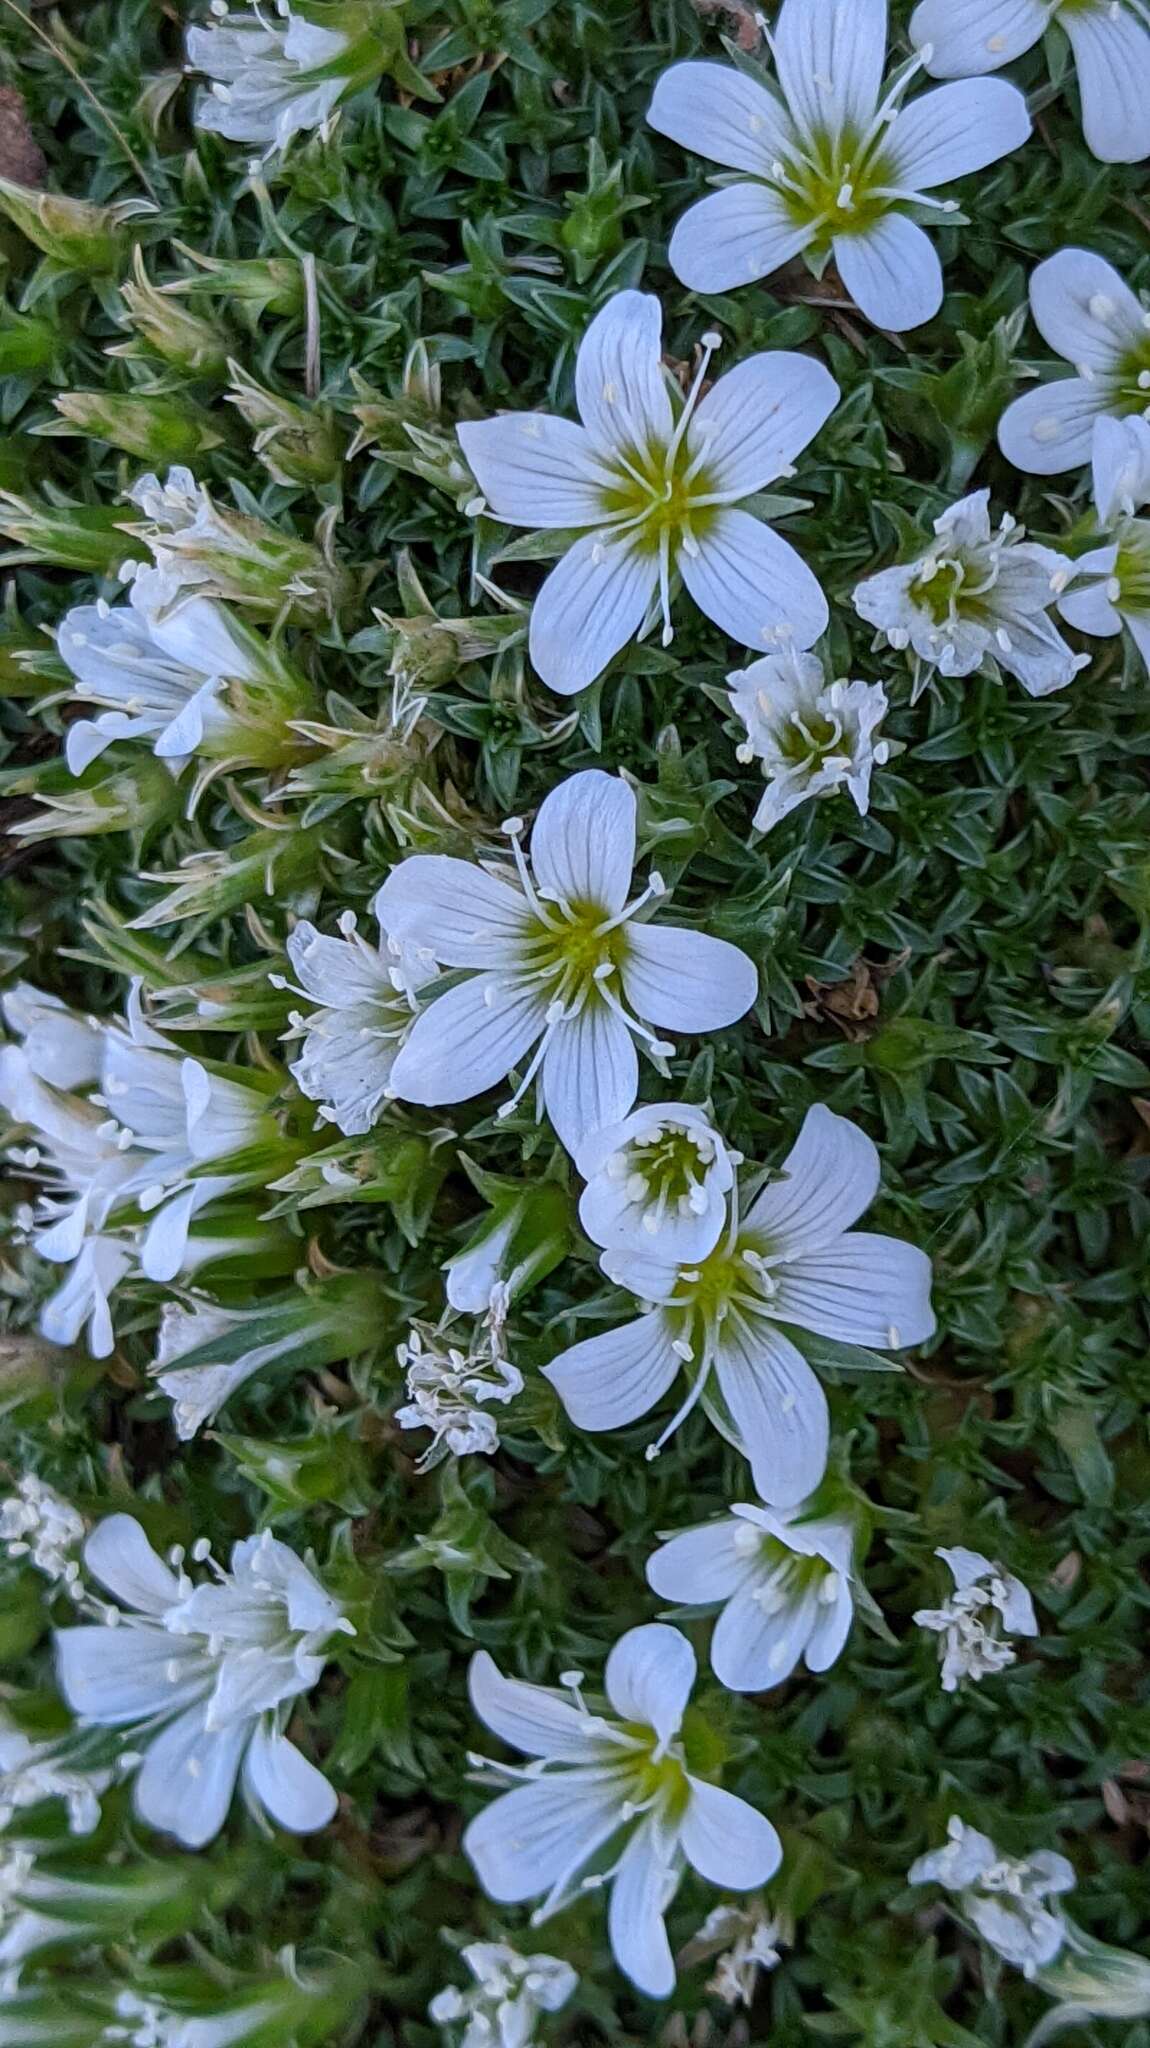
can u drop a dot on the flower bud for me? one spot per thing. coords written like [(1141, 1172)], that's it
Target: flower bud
[(73, 233), (89, 538), (1092, 1980), (297, 444), (28, 344), (135, 798), (267, 863), (165, 328), (254, 284), (145, 424), (198, 545)]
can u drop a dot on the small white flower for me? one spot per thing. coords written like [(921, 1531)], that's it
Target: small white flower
[(38, 1524), (657, 1182), (214, 1668), (785, 1585), (1111, 584), (1005, 1900), (829, 158), (1086, 313), (366, 1004), (751, 1938), (1111, 44), (31, 1772), (812, 737), (450, 1391), (558, 959), (653, 481), (978, 598), (266, 72), (987, 1603), (510, 1991), (621, 1774), (792, 1260)]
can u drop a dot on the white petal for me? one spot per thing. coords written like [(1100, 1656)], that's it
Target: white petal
[(863, 1289), (726, 1841), (834, 1626), (530, 1717), (593, 602), (619, 384), (338, 973), (188, 1777), (721, 113), (757, 419), (969, 37), (463, 1043), (165, 1247), (344, 1061), (958, 129), (454, 910), (114, 1676), (118, 1554), (1138, 627), (1084, 309), (830, 56), (891, 272), (1086, 604), (754, 1648), (583, 841), (1038, 655), (1120, 466), (686, 981), (643, 1888), (777, 1406), (535, 470), (611, 1379), (752, 583), (1050, 428), (829, 1177), (590, 1073), (699, 1566), (735, 236), (87, 738), (649, 1676), (1112, 54), (278, 1778), (527, 1840), (200, 634)]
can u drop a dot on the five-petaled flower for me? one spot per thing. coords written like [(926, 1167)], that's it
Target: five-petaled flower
[(1111, 585), (793, 1262), (812, 736), (1111, 44), (612, 1787), (658, 1182), (829, 159), (1089, 315), (559, 958), (273, 74), (651, 483)]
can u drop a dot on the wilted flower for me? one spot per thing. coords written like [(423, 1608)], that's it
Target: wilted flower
[(653, 482), (1091, 1980), (199, 547), (214, 1668), (1089, 315), (977, 599), (619, 1774), (559, 959), (450, 1391), (38, 1524), (272, 74), (746, 1940), (812, 737), (31, 1772), (509, 1992), (60, 1046), (785, 1583), (1004, 1899), (657, 1182), (792, 1261), (987, 1604), (366, 1002), (1111, 584), (831, 161), (71, 232)]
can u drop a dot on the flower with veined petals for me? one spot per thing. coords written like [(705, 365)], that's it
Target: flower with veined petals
[(652, 483), (784, 1579), (1111, 44), (629, 1795), (657, 1182), (988, 1604), (1004, 1898), (1088, 314), (365, 998), (1111, 584), (792, 1262), (979, 598), (210, 1671), (812, 737), (830, 159), (270, 72), (559, 960)]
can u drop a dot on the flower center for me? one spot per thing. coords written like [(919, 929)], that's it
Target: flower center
[(1131, 379), (839, 184), (665, 1171), (1130, 583), (656, 1777), (805, 738)]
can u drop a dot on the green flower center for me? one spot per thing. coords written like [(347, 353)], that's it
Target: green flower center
[(804, 741), (839, 184), (1132, 568), (665, 1169)]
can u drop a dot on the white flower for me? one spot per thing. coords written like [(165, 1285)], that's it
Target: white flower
[(785, 1585), (653, 481), (977, 597), (560, 960), (1005, 1900), (987, 1601), (161, 677), (792, 1261), (267, 75), (619, 1776), (1111, 584), (509, 1993), (365, 998), (812, 737), (38, 1524), (751, 1937), (1111, 44), (31, 1772), (449, 1392), (61, 1046), (657, 1182), (831, 161), (214, 1668), (1082, 308)]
